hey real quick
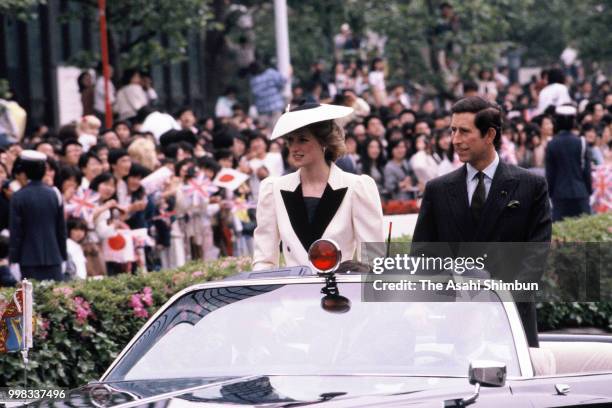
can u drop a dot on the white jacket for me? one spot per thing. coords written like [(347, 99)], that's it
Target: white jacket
[(349, 213)]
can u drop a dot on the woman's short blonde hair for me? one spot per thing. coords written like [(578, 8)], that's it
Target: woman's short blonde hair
[(331, 137), (142, 151)]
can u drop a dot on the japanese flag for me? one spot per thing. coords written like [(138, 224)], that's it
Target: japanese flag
[(230, 179), (119, 248)]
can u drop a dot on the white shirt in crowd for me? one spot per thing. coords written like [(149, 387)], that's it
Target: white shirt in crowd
[(273, 162), (130, 99), (159, 123), (223, 107), (377, 80), (123, 197), (424, 166), (553, 94), (76, 255), (99, 94)]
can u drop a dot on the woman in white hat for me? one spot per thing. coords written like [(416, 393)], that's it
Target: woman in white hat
[(319, 200)]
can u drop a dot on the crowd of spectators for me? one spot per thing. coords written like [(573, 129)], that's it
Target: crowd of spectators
[(398, 134)]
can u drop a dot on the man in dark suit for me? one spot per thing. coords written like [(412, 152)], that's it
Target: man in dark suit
[(37, 226), (485, 200), (568, 168)]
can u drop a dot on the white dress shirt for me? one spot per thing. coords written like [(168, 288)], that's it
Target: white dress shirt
[(553, 94), (472, 180)]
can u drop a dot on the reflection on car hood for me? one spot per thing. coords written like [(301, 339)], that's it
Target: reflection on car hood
[(268, 391)]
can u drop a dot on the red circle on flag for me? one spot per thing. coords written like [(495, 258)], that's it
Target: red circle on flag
[(117, 242), (226, 178)]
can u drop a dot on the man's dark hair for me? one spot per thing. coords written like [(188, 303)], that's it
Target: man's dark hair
[(408, 111), (115, 154), (69, 142), (223, 154), (587, 127), (75, 223), (488, 115), (34, 170), (66, 173), (564, 122), (186, 146), (138, 170), (556, 76), (206, 162), (120, 122), (184, 109), (43, 142), (67, 132), (470, 86), (99, 179), (128, 74), (367, 119), (85, 157)]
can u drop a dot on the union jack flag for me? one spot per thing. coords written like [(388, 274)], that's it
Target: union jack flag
[(200, 186), (602, 188), (83, 203), (240, 207), (239, 204)]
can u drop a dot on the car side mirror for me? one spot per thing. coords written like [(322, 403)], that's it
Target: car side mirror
[(487, 373), (482, 373)]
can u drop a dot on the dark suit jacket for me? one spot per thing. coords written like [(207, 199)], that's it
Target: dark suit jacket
[(37, 226), (567, 177), (445, 214), (445, 217)]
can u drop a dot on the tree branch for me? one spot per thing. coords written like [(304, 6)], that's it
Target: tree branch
[(141, 38)]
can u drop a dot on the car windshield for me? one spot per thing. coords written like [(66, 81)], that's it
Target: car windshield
[(283, 329)]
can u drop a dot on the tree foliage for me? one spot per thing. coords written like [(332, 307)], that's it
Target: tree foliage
[(539, 30), (144, 32)]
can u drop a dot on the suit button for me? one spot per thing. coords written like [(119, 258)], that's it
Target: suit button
[(288, 249)]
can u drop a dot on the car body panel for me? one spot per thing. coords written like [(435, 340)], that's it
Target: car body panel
[(356, 389)]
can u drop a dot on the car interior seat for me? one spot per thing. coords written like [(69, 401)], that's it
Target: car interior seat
[(572, 357)]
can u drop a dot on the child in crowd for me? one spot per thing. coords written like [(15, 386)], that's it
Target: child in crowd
[(76, 265)]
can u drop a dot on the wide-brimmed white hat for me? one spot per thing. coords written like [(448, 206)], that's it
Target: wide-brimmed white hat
[(307, 114)]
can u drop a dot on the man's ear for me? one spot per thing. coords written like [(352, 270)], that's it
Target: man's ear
[(490, 136)]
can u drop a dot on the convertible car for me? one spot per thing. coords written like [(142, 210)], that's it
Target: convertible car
[(303, 336)]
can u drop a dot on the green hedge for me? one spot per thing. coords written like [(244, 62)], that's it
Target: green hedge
[(552, 316), (82, 325)]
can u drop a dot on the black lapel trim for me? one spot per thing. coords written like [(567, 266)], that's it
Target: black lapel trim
[(296, 210), (459, 204), (329, 204), (502, 188)]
